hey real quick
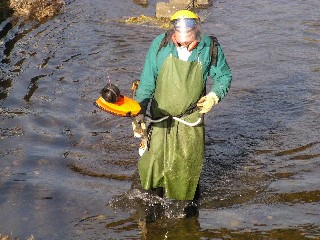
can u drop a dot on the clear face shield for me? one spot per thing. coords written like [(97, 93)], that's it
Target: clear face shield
[(186, 30)]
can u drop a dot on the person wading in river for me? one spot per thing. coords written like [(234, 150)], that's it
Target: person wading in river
[(174, 77)]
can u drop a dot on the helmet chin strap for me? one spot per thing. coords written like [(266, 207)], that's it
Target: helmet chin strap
[(190, 47)]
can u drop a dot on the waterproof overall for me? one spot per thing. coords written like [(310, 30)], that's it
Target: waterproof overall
[(175, 157)]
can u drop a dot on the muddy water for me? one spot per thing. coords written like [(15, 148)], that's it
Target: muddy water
[(68, 170)]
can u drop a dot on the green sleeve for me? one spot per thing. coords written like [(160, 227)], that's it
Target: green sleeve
[(149, 74), (221, 74)]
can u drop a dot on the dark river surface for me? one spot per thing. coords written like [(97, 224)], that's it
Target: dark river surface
[(68, 169)]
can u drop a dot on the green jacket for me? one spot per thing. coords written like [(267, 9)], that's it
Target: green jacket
[(220, 73)]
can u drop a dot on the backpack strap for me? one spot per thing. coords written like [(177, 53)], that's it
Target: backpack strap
[(165, 40), (213, 50)]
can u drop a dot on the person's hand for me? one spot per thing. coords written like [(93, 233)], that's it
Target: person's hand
[(138, 126), (207, 102)]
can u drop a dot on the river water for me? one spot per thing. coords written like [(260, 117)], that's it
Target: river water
[(68, 169)]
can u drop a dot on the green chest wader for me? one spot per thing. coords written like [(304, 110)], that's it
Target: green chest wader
[(175, 157)]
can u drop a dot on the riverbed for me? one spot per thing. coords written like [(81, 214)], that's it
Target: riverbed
[(68, 169)]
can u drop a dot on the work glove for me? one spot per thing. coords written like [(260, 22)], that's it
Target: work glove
[(139, 126), (207, 102)]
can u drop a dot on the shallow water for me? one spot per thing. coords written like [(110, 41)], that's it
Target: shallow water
[(68, 170)]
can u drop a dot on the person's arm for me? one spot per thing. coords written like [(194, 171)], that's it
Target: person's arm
[(222, 76), (149, 75)]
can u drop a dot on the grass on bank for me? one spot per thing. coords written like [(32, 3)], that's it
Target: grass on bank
[(6, 237), (38, 10)]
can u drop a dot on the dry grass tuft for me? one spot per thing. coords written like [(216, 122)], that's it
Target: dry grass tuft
[(153, 21), (38, 10), (6, 237)]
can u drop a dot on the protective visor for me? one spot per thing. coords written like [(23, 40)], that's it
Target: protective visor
[(185, 23), (185, 29)]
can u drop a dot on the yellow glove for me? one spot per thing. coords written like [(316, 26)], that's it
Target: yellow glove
[(207, 102)]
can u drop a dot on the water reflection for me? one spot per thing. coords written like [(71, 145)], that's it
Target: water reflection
[(157, 218), (186, 228), (68, 169)]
